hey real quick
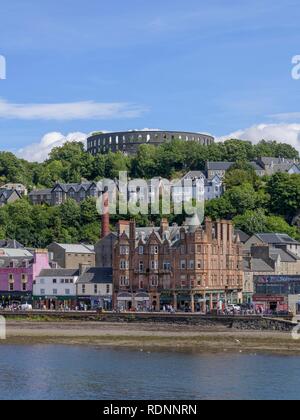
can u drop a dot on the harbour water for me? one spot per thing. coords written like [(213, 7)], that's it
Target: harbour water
[(63, 372)]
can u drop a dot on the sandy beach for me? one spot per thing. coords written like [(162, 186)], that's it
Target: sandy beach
[(145, 336)]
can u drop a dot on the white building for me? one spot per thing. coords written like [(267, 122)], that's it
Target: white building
[(195, 185), (55, 289)]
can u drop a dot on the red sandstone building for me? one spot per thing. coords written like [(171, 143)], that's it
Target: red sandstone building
[(191, 268)]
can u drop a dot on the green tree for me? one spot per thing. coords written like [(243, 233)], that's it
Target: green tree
[(284, 190)]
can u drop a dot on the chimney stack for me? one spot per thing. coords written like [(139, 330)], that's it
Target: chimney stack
[(132, 230), (208, 229), (164, 226), (105, 228)]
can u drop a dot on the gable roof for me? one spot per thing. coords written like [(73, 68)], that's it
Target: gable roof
[(8, 193), (76, 187), (194, 175)]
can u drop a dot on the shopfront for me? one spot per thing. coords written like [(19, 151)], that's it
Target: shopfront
[(270, 303), (15, 299), (54, 303), (125, 302), (142, 302)]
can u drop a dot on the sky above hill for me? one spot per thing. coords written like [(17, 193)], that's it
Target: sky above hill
[(219, 67)]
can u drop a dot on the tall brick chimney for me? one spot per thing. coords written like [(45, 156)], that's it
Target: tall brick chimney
[(208, 229), (164, 226), (105, 227)]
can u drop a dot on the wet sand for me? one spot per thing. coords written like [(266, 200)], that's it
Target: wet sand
[(150, 336)]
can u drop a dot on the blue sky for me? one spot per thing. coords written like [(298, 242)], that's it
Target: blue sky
[(221, 67)]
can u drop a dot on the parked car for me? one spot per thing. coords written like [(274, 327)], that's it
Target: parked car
[(25, 307), (234, 308)]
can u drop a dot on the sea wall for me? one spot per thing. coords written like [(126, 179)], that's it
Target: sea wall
[(255, 323)]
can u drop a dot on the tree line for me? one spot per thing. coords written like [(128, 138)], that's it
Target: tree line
[(268, 204)]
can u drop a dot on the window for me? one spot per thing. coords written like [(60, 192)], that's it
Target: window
[(124, 250), (191, 264), (182, 264), (54, 292), (154, 265), (154, 281), (141, 266), (67, 292), (95, 289), (54, 281), (141, 250), (43, 292), (154, 250), (183, 281), (11, 287), (108, 289), (83, 289), (124, 281), (167, 265), (124, 265)]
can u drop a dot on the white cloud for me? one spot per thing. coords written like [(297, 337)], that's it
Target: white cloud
[(70, 111), (38, 152), (285, 133)]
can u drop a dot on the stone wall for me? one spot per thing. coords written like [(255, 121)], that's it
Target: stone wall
[(253, 323)]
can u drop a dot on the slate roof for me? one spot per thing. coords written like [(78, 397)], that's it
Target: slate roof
[(10, 243), (277, 238), (76, 187), (15, 253), (8, 193), (194, 174), (277, 161), (284, 256), (59, 272), (219, 166), (5, 261), (40, 192), (78, 248), (97, 275), (225, 166), (243, 236), (258, 265)]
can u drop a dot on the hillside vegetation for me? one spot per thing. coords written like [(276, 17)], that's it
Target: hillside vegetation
[(255, 204)]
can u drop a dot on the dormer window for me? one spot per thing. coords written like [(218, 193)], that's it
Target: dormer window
[(154, 250), (124, 250)]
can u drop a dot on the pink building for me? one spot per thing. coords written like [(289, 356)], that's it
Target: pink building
[(18, 270)]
